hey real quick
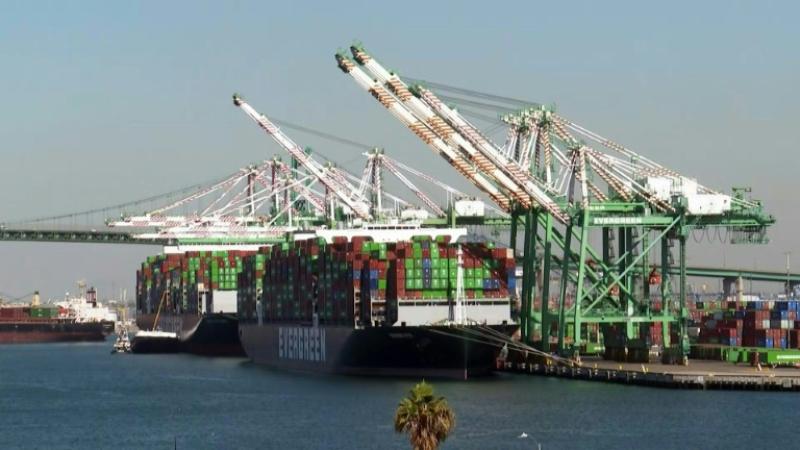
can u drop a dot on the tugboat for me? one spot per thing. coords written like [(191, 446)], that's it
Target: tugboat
[(122, 344)]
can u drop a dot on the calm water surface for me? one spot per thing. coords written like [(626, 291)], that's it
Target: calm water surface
[(57, 396)]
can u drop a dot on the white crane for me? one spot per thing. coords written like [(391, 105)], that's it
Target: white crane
[(335, 185), (425, 131), (449, 125)]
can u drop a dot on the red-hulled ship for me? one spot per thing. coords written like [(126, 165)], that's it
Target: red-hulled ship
[(44, 323)]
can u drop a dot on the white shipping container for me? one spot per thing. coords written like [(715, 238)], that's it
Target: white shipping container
[(469, 208), (224, 302)]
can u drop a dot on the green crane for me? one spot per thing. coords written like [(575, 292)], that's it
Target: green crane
[(597, 211)]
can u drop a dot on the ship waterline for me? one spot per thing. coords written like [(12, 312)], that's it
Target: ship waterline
[(419, 351)]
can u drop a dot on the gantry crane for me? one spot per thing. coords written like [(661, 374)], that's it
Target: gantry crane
[(564, 192), (233, 206), (378, 160), (334, 183), (368, 208)]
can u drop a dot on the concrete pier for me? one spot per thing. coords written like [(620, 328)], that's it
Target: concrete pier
[(698, 374)]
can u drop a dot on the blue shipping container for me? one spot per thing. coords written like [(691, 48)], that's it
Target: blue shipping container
[(512, 282)]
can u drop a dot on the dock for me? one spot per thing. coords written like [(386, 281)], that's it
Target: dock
[(699, 374)]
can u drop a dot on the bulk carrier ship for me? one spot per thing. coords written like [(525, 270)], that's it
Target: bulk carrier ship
[(86, 308), (44, 323), (385, 301)]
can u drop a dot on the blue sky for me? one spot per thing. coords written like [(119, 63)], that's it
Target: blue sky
[(109, 101)]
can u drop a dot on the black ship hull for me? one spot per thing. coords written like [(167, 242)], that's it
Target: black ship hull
[(155, 345), (424, 351), (208, 335), (108, 327)]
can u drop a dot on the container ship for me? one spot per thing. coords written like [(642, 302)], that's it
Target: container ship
[(371, 303), (44, 323), (193, 295)]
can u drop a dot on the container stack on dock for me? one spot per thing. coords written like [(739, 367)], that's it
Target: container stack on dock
[(766, 324), (619, 346)]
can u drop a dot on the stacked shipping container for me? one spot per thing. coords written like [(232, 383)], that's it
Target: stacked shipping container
[(426, 269), (767, 324), (28, 313), (362, 281), (183, 276), (620, 347)]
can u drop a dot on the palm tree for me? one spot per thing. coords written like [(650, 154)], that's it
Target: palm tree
[(425, 418)]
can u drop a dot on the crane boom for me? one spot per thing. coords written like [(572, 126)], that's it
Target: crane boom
[(448, 123), (436, 125), (413, 188), (472, 135), (301, 189), (424, 131), (335, 186), (226, 183)]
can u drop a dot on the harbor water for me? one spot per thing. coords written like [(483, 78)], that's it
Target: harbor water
[(58, 396)]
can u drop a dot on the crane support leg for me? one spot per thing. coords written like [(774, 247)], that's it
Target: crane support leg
[(525, 307), (547, 260), (682, 297), (512, 240), (666, 296), (531, 231), (644, 274), (624, 297), (576, 347), (562, 295)]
